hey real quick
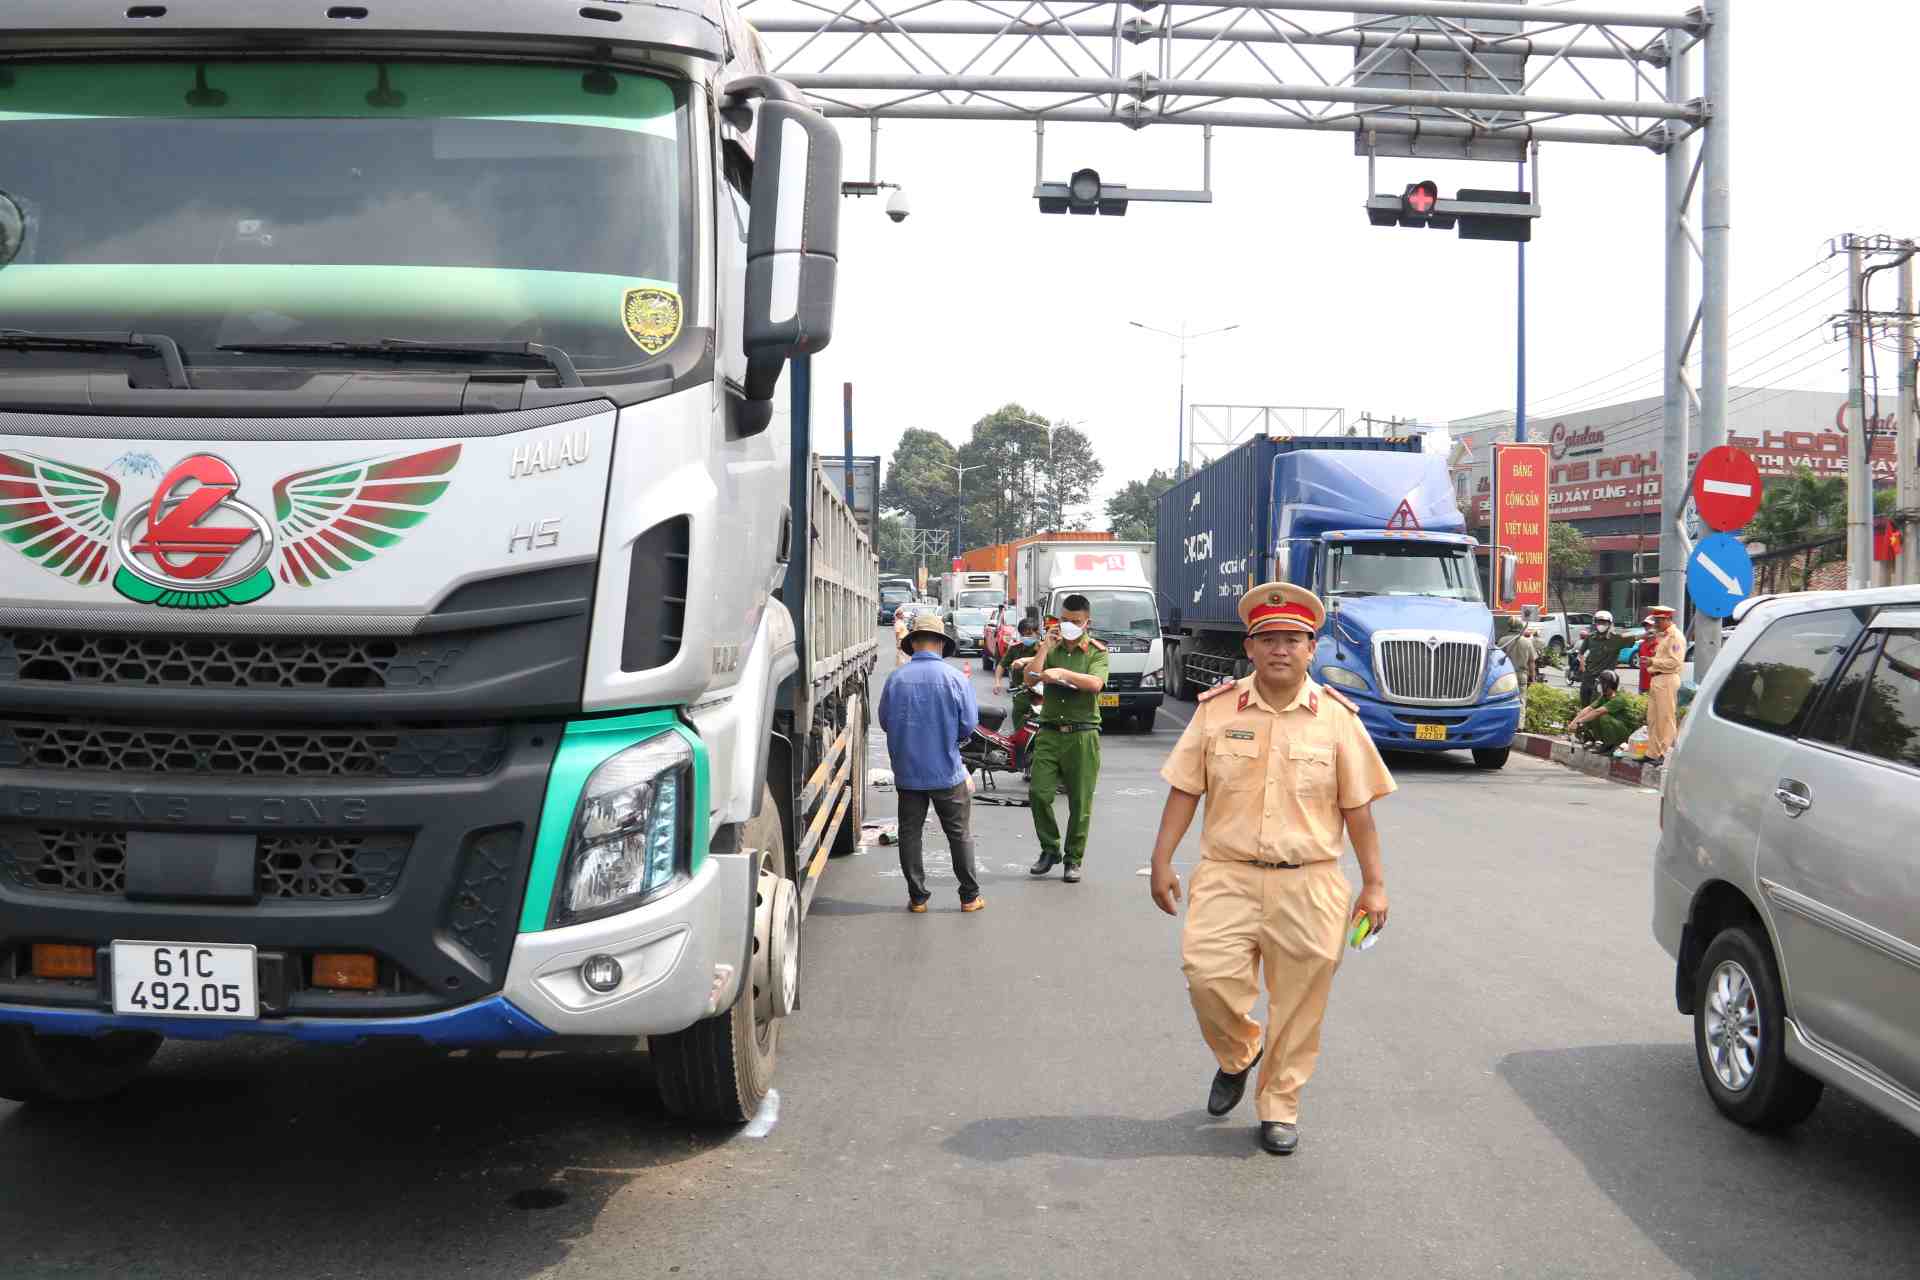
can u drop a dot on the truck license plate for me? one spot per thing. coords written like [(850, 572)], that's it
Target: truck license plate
[(1109, 699), (185, 980), (1430, 732)]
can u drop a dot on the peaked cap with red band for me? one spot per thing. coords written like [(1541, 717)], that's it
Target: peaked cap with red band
[(1281, 606)]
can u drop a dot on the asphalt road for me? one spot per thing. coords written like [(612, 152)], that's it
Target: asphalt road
[(1504, 1089)]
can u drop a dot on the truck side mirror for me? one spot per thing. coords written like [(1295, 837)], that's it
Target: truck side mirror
[(793, 233), (1509, 576)]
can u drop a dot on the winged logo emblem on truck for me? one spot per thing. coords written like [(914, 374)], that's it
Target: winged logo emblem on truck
[(195, 544)]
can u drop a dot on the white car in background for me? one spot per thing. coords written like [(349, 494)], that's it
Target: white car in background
[(1559, 632)]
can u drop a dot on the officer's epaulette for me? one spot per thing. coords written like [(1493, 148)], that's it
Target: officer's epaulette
[(1340, 698), (1101, 645), (1216, 691)]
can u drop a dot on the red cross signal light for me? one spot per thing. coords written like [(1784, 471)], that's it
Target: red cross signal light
[(1419, 198)]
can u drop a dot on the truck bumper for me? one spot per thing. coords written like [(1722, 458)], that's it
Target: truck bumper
[(1136, 700), (681, 959), (1394, 727), (491, 1021)]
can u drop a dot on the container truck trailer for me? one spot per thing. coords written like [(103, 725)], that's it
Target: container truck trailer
[(412, 628), (1372, 528)]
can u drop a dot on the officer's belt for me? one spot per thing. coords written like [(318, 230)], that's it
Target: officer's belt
[(1057, 727), (1275, 866)]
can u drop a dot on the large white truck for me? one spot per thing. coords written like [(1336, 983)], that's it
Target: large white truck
[(411, 627), (973, 589), (1117, 580)]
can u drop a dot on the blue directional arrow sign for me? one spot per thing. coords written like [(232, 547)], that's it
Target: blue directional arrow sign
[(1719, 575)]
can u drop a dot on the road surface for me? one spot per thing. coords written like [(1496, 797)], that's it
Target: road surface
[(1505, 1089)]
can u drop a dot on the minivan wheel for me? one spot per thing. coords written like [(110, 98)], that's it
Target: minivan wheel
[(1739, 1036)]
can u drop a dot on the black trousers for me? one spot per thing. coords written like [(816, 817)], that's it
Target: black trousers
[(955, 808)]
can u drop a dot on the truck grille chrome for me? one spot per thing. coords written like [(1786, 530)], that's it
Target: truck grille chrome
[(1434, 668)]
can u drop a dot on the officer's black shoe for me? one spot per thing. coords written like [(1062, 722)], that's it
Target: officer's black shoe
[(1229, 1088), (1048, 861), (1072, 873), (1278, 1138)]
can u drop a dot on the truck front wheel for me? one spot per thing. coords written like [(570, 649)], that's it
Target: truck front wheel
[(1491, 757), (35, 1068), (720, 1069)]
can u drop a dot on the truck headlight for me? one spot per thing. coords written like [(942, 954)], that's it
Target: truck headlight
[(628, 830), (1150, 680), (1507, 683), (1344, 678)]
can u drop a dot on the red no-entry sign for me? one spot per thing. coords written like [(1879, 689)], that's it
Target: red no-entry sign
[(1726, 488)]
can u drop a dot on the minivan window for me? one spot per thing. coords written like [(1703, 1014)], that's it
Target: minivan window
[(1832, 720), (1889, 724), (1776, 681)]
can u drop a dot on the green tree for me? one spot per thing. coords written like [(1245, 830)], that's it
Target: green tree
[(1134, 512), (896, 561), (1024, 482), (920, 481), (1568, 553), (1806, 507)]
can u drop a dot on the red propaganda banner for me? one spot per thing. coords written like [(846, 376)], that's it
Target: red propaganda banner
[(1520, 519)]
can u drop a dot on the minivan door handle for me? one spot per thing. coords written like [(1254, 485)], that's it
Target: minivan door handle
[(1793, 796)]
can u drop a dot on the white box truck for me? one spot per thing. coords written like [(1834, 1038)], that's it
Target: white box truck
[(1117, 580)]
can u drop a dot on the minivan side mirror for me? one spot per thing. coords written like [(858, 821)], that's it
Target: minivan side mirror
[(793, 232)]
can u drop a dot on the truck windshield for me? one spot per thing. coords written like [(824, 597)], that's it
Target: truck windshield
[(1401, 569), (978, 600), (224, 203), (1123, 615)]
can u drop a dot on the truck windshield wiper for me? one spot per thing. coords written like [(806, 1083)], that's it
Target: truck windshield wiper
[(553, 357), (67, 340)]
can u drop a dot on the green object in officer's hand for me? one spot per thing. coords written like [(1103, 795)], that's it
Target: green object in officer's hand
[(1362, 938)]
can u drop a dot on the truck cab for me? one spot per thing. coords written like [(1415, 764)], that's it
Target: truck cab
[(414, 628), (1116, 578)]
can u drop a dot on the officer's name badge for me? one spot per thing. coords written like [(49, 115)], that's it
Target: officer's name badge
[(1241, 735)]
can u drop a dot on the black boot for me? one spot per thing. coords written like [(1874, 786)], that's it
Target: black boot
[(1228, 1088), (1048, 861)]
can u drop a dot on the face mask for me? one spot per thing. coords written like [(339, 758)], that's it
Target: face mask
[(1071, 631)]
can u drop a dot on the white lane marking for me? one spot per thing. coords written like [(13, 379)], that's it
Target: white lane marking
[(765, 1118), (1728, 488), (1720, 575)]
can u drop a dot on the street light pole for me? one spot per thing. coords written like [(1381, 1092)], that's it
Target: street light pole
[(1183, 338), (960, 499)]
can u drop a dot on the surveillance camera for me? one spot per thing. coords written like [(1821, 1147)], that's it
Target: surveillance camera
[(898, 207)]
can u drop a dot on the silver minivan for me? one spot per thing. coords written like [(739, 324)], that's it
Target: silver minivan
[(1787, 879)]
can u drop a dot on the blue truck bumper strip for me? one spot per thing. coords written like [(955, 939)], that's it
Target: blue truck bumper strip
[(1394, 729), (488, 1022)]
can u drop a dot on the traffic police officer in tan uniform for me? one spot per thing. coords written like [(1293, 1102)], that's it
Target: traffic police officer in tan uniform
[(1663, 693), (1287, 770)]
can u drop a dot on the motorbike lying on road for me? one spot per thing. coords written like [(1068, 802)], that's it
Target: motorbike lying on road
[(989, 751)]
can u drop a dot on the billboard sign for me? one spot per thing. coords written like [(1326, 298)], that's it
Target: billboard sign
[(1520, 518)]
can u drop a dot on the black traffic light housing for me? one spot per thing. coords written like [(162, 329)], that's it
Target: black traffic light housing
[(1083, 193), (1476, 214)]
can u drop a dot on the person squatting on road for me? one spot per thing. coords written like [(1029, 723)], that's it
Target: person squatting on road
[(927, 710), (1027, 646), (1599, 651), (1607, 719), (1663, 692), (1067, 753), (1287, 768)]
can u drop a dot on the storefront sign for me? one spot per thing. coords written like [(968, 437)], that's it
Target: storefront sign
[(1520, 503)]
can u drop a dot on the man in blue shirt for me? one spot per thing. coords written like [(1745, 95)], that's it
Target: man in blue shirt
[(927, 710)]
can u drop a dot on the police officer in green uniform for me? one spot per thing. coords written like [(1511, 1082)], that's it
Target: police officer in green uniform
[(1028, 645), (1073, 665)]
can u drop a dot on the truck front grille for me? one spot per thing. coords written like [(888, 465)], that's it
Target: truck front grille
[(1419, 670), (1123, 680), (309, 868), (220, 662), (466, 752)]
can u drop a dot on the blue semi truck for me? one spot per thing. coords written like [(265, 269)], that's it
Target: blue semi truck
[(1371, 526)]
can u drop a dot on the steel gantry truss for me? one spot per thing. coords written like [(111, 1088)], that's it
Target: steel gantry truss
[(1474, 80)]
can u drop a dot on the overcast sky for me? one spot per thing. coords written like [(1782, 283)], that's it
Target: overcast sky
[(979, 299)]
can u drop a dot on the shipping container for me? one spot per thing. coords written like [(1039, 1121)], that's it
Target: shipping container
[(865, 498)]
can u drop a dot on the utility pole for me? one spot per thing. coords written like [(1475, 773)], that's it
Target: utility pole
[(1716, 217), (1860, 434), (1906, 569), (1520, 341), (1676, 436)]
